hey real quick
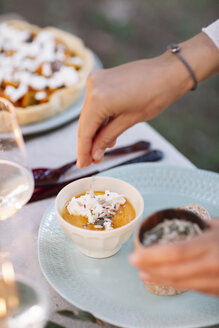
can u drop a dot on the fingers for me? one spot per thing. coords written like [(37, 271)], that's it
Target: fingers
[(214, 223), (144, 276), (112, 144), (90, 121), (169, 253), (191, 264), (107, 136), (99, 153), (205, 266), (203, 283)]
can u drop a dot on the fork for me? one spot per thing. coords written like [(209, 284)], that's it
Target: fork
[(46, 176)]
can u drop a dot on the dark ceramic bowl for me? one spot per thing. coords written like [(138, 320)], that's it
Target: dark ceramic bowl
[(152, 221)]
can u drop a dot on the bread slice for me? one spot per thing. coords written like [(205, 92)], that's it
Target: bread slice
[(162, 289), (155, 288), (198, 210)]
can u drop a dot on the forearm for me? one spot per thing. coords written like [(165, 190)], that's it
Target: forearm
[(139, 91), (203, 57)]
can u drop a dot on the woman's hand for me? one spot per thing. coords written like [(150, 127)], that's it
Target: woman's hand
[(192, 264), (118, 98)]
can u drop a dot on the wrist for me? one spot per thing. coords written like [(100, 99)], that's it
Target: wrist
[(178, 77), (202, 55), (175, 50)]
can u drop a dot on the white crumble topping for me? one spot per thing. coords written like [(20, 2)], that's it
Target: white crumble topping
[(99, 209), (40, 95), (46, 69), (170, 231), (38, 82), (65, 76), (16, 93), (98, 226), (76, 61), (108, 225)]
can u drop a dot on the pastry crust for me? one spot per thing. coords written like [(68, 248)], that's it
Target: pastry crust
[(198, 210), (61, 99), (155, 288), (201, 217), (161, 289)]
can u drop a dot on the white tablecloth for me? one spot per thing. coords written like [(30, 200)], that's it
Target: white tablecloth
[(58, 147)]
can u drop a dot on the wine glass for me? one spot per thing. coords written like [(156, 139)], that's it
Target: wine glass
[(22, 302), (16, 180)]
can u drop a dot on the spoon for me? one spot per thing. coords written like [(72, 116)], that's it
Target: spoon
[(45, 176), (52, 190)]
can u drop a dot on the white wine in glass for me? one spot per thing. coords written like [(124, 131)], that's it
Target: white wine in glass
[(16, 180), (22, 302)]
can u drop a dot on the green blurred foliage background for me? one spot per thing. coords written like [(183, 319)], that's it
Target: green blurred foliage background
[(123, 30)]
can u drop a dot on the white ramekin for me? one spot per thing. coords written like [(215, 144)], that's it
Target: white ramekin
[(99, 244)]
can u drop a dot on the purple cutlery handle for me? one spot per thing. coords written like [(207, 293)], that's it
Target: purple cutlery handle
[(47, 176), (52, 190)]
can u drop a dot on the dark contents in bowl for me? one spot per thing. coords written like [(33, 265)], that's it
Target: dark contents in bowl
[(170, 231)]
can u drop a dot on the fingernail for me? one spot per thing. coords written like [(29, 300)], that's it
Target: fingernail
[(79, 164), (133, 258), (98, 155), (144, 276)]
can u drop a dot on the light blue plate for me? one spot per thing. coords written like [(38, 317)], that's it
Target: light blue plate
[(110, 288), (64, 117)]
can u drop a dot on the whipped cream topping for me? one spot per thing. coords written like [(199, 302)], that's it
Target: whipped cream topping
[(40, 95), (27, 62), (75, 61), (47, 69), (16, 93), (66, 76), (99, 209)]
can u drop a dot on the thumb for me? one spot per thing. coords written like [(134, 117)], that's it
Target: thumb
[(107, 136)]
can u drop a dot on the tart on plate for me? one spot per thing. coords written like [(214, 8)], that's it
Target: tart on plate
[(43, 71)]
